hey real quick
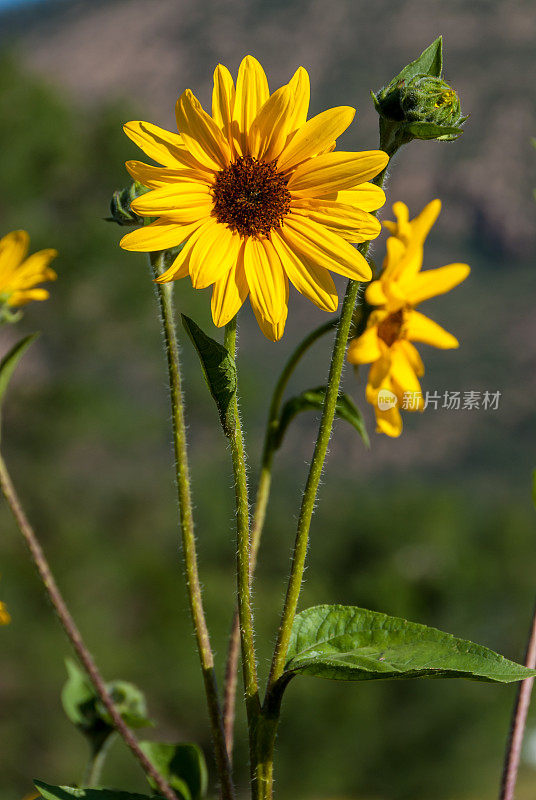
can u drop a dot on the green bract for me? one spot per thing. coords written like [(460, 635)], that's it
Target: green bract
[(418, 104)]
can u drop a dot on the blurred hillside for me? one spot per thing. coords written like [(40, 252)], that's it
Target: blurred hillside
[(436, 526)]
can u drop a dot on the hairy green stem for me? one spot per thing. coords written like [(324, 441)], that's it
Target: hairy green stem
[(245, 611), (165, 299), (259, 516), (311, 487), (71, 629)]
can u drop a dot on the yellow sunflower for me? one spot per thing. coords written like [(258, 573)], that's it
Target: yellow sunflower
[(396, 366), (257, 196), (5, 616), (20, 275)]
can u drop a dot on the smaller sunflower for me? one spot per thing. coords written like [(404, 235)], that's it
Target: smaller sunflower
[(386, 343), (19, 274), (5, 616)]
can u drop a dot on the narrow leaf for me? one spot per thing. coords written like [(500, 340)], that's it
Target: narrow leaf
[(313, 400), (77, 695), (349, 643), (218, 367), (430, 62), (182, 765), (11, 359), (68, 792)]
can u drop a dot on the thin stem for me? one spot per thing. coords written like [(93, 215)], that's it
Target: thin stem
[(311, 487), (259, 516), (95, 764), (193, 586), (245, 611), (519, 719), (70, 628)]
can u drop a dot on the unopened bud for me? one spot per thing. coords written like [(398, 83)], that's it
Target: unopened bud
[(120, 209)]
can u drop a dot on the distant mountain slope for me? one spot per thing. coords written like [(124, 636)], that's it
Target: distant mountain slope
[(149, 50)]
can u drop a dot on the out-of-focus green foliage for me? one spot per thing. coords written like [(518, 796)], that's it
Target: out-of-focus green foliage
[(87, 436)]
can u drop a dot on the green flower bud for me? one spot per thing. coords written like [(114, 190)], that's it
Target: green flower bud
[(418, 104), (120, 205)]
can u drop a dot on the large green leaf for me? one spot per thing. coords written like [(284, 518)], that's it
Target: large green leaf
[(68, 792), (349, 643), (182, 765), (313, 400), (430, 62), (11, 359), (218, 367)]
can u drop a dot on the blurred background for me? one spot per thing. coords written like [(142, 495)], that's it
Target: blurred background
[(436, 526)]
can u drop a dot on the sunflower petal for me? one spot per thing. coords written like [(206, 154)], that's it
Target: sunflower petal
[(13, 248), (365, 348), (266, 279), (420, 328), (333, 172), (389, 422), (325, 248), (413, 356), (172, 197), (229, 293), (271, 126), (251, 94), (272, 331), (374, 294), (223, 97), (402, 372), (315, 135), (22, 296), (349, 222), (180, 267), (154, 177), (366, 196), (309, 279), (162, 146), (432, 282), (159, 235), (200, 133), (214, 254), (300, 85)]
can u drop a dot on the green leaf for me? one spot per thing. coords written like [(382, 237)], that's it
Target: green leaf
[(429, 130), (218, 367), (77, 695), (11, 359), (182, 765), (68, 792), (348, 643), (430, 62), (85, 709), (313, 400)]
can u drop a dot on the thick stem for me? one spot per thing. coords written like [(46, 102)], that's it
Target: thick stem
[(519, 719), (259, 516), (245, 611), (311, 487), (72, 631), (165, 299)]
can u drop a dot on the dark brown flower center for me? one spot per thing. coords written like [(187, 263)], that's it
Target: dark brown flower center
[(251, 197), (390, 329)]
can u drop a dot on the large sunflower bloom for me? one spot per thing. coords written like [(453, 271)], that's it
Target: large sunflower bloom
[(20, 275), (257, 196), (386, 343)]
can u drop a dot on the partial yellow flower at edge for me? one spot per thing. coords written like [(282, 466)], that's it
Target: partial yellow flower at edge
[(386, 344), (5, 616), (257, 196), (20, 273)]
